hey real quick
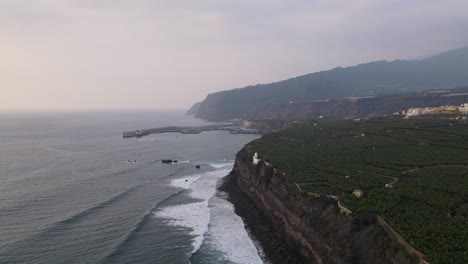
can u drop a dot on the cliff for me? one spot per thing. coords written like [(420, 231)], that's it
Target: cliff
[(194, 109), (313, 226), (307, 92)]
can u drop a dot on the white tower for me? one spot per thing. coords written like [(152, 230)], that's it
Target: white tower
[(255, 158)]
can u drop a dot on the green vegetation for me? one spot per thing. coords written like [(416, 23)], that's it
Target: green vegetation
[(428, 204)]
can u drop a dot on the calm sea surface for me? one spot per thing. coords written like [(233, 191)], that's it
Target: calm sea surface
[(72, 190)]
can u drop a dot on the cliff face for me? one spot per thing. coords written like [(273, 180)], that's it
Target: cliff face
[(315, 225), (194, 109), (364, 107)]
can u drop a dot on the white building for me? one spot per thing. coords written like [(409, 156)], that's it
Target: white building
[(357, 193), (255, 158), (463, 108), (246, 124), (413, 112)]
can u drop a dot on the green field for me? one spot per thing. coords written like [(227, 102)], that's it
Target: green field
[(428, 203)]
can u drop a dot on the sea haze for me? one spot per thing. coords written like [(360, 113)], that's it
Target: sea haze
[(72, 190)]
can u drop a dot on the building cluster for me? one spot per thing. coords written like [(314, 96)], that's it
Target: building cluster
[(447, 109)]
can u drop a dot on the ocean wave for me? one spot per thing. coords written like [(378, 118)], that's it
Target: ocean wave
[(211, 218), (126, 239), (56, 227), (106, 203), (184, 183), (227, 233), (133, 232), (222, 165), (66, 151), (195, 215)]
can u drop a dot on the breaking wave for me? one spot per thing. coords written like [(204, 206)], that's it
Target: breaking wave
[(211, 219), (195, 215)]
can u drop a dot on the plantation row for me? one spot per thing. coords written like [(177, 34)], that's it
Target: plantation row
[(428, 205)]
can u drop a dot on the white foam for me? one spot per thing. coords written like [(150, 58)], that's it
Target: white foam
[(205, 187), (212, 217), (186, 182), (227, 234), (148, 138), (222, 165), (195, 216)]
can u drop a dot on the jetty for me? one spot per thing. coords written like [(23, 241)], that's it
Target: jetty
[(189, 130)]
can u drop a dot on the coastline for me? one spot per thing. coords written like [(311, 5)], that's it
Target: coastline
[(275, 249), (295, 227)]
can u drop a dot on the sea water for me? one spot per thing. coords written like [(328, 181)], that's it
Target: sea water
[(72, 190)]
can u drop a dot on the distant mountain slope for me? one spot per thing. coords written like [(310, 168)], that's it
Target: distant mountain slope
[(362, 107), (194, 109), (446, 70)]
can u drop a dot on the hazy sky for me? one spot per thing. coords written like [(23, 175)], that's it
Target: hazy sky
[(101, 54)]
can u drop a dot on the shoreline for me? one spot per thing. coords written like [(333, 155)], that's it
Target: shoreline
[(275, 249)]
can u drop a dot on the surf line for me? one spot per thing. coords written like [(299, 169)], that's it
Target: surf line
[(196, 215)]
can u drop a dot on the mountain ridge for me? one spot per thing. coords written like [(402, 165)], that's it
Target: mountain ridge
[(446, 70)]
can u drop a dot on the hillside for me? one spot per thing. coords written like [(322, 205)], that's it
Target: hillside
[(412, 173), (362, 107), (446, 70)]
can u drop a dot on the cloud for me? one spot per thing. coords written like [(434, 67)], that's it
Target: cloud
[(168, 54)]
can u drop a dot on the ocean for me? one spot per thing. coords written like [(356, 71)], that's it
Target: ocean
[(72, 190)]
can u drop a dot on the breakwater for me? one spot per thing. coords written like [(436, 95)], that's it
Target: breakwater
[(189, 130)]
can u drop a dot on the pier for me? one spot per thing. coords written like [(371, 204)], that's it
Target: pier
[(189, 130)]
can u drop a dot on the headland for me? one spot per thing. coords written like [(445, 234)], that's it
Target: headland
[(328, 189)]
